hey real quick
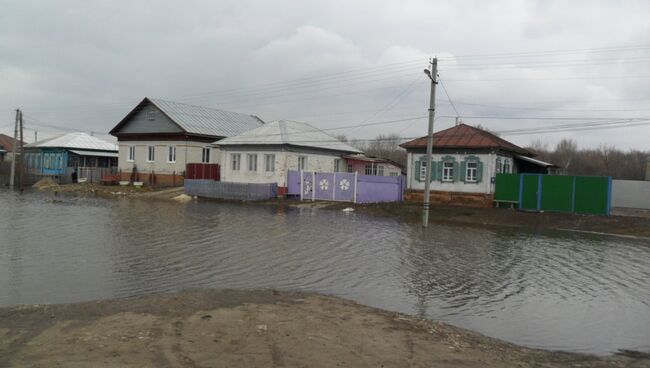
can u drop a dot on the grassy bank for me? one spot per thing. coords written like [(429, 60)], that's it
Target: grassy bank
[(254, 328)]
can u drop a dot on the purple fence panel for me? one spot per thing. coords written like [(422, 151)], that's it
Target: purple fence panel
[(344, 187), (324, 186), (372, 189), (307, 185), (293, 182)]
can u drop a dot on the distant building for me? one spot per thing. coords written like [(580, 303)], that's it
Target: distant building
[(159, 138), (368, 165), (6, 147), (466, 160), (66, 153), (267, 153)]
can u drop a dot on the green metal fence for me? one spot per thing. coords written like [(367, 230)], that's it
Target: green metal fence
[(538, 192)]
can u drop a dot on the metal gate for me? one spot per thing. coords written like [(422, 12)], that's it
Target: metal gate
[(328, 186)]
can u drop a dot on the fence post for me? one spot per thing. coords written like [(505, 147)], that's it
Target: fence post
[(313, 185), (334, 187), (356, 183), (539, 192)]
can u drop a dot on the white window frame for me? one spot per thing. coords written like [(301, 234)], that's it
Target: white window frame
[(393, 173), (151, 153), (171, 154), (130, 155), (506, 166), (380, 170), (151, 115), (269, 162), (338, 163), (423, 170), (447, 171), (235, 161), (251, 159), (302, 163), (205, 155), (471, 173), (350, 168), (499, 166)]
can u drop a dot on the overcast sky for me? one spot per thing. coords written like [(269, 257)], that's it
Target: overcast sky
[(82, 65)]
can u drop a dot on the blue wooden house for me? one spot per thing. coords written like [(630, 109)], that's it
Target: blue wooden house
[(67, 153)]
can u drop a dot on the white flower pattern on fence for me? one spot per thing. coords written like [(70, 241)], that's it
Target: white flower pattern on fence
[(344, 184), (324, 184)]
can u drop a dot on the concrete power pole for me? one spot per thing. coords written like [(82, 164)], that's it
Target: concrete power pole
[(21, 173), (433, 73), (12, 175)]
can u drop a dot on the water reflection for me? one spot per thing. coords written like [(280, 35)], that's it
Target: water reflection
[(549, 290)]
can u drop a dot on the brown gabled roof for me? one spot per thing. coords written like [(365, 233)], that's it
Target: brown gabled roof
[(466, 136), (7, 142)]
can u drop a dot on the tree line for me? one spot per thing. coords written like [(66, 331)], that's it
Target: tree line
[(605, 160)]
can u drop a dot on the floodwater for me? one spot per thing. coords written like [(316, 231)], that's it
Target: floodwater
[(553, 290)]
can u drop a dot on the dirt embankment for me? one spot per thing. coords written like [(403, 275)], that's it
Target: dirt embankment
[(254, 328), (107, 191)]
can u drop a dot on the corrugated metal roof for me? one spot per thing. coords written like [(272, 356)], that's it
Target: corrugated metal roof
[(288, 132), (466, 136), (207, 121), (95, 153), (76, 140)]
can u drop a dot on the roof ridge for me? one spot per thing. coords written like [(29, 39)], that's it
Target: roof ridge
[(199, 106)]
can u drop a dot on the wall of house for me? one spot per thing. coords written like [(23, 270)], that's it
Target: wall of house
[(486, 184), (284, 160), (186, 152), (150, 119), (360, 167)]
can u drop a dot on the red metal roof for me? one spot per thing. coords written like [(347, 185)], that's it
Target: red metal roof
[(466, 136), (7, 142)]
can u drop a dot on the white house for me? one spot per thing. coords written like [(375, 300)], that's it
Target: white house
[(158, 138), (466, 160), (267, 153)]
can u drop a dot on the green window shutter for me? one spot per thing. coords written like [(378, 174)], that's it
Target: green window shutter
[(439, 167), (479, 171), (463, 170), (418, 165), (456, 171)]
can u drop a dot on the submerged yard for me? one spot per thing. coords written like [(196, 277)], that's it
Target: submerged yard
[(531, 284)]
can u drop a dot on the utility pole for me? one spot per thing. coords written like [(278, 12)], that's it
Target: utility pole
[(12, 176), (21, 173), (433, 75)]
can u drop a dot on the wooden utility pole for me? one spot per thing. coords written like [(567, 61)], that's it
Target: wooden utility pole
[(433, 75), (12, 176)]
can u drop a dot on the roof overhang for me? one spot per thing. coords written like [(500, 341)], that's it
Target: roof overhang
[(94, 153), (534, 161)]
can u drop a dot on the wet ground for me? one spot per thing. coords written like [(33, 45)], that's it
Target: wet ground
[(535, 286), (255, 328)]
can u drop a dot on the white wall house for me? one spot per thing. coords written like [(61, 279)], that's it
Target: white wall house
[(267, 153), (161, 137), (466, 160)]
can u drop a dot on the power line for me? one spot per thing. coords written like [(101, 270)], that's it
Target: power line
[(448, 98)]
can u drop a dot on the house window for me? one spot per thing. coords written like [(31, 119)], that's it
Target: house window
[(423, 170), (393, 173), (269, 163), (235, 158), (131, 156), (151, 153), (380, 170), (151, 115), (252, 162), (448, 171), (368, 170), (350, 168), (499, 166), (302, 162), (205, 155), (171, 154), (338, 165), (506, 166), (470, 174)]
